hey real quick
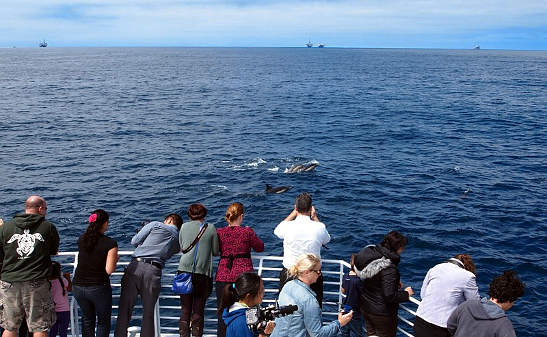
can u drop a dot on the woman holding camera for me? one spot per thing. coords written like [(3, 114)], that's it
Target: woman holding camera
[(306, 321), (247, 291)]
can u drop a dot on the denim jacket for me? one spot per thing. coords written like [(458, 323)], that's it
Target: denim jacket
[(306, 321)]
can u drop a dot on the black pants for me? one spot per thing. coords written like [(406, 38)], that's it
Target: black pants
[(193, 305), (143, 279), (423, 328), (380, 326), (221, 327), (317, 287)]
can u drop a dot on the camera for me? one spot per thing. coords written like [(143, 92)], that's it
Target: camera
[(257, 317)]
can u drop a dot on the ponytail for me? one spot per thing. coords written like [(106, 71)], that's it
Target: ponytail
[(56, 271), (97, 219), (229, 297), (246, 284)]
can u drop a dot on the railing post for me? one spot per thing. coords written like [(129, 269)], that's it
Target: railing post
[(157, 323), (340, 285), (74, 321), (260, 264)]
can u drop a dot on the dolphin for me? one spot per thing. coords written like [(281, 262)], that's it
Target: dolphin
[(302, 168), (277, 190), (465, 193)]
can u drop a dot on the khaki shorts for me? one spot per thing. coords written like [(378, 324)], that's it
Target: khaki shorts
[(27, 299)]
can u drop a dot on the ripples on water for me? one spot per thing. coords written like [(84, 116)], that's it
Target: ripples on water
[(400, 135)]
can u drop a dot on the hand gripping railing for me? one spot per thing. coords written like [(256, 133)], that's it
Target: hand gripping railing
[(268, 267)]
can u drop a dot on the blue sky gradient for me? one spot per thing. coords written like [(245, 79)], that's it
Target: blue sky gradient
[(449, 24)]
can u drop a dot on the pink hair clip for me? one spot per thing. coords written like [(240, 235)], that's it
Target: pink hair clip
[(93, 217)]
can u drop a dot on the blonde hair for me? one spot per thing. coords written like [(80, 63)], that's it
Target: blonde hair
[(234, 211), (304, 262)]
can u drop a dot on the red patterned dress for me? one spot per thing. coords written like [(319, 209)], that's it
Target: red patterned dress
[(235, 250), (235, 244)]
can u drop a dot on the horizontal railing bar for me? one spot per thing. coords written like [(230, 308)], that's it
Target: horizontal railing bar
[(408, 309), (268, 268), (405, 320), (404, 332)]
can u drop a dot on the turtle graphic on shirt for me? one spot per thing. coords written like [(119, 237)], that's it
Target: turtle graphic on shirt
[(25, 242)]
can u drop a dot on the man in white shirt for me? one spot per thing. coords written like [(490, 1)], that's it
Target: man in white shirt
[(302, 233)]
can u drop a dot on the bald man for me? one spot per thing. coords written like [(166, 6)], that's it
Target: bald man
[(26, 243)]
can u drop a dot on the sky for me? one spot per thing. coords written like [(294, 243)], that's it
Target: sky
[(494, 24)]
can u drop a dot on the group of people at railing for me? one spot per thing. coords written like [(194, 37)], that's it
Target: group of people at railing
[(30, 293)]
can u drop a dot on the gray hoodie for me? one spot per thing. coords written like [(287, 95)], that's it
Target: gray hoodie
[(480, 318)]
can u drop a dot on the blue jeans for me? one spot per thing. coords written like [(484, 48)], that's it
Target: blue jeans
[(353, 329), (96, 305)]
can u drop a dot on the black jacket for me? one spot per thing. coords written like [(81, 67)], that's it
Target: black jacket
[(377, 267)]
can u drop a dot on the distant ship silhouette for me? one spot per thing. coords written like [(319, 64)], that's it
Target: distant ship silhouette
[(43, 44)]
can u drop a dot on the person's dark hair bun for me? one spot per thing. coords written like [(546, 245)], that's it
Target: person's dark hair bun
[(197, 212)]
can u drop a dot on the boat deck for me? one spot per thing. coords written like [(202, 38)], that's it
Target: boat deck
[(268, 267)]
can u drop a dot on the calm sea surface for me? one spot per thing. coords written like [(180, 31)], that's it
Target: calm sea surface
[(399, 135)]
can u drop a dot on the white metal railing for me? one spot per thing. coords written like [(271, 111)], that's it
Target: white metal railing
[(268, 267)]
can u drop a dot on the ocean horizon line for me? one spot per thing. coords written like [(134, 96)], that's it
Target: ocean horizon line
[(268, 47)]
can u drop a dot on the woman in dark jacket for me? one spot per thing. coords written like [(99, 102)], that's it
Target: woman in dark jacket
[(382, 289)]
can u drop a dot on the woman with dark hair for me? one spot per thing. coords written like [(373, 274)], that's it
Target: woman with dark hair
[(97, 258), (200, 242), (235, 244), (247, 291), (445, 286), (382, 288)]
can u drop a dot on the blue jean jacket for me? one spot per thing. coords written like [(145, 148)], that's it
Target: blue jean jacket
[(306, 321)]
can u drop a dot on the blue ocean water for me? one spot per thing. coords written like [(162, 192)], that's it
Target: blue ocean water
[(399, 135)]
